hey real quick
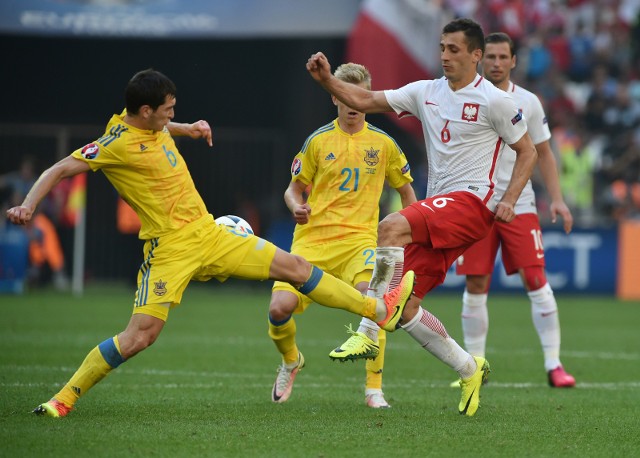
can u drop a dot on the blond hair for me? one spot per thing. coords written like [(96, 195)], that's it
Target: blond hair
[(354, 74)]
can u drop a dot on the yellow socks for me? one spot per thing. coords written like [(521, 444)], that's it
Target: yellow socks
[(327, 290), (283, 335), (374, 366), (97, 364)]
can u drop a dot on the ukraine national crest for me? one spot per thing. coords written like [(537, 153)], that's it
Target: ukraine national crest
[(160, 288), (371, 156)]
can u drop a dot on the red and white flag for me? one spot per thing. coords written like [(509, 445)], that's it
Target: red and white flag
[(399, 42)]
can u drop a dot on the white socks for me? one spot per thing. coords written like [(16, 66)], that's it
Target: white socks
[(475, 322), (387, 273), (544, 311), (430, 333)]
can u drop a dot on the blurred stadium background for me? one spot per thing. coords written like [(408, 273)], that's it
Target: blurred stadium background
[(239, 64)]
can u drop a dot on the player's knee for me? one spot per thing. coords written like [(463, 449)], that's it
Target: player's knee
[(392, 229), (533, 277), (478, 284), (280, 310)]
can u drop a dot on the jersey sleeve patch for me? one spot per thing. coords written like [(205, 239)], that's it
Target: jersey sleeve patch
[(296, 167), (90, 151)]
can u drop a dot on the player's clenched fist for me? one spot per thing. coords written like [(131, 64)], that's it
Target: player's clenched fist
[(19, 215), (318, 66)]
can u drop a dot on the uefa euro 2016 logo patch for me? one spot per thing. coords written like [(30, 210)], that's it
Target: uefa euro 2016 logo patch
[(371, 157), (296, 167), (90, 151), (160, 288)]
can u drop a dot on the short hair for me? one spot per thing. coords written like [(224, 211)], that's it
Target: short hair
[(501, 37), (148, 87), (472, 32), (354, 74)]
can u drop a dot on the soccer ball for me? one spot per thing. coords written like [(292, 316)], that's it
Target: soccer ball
[(235, 224)]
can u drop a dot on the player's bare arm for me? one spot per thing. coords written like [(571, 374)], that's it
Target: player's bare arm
[(295, 201), (526, 158), (352, 95), (65, 168), (549, 170), (407, 194), (198, 129)]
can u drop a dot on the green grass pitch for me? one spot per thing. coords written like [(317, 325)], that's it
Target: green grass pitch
[(203, 389)]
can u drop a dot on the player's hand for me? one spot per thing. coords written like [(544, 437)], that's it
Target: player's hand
[(201, 129), (505, 212), (20, 215), (301, 213), (560, 208), (318, 67)]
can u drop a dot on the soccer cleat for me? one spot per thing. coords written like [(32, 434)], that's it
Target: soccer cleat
[(358, 346), (375, 399), (558, 378), (470, 400), (52, 408), (396, 300), (284, 381)]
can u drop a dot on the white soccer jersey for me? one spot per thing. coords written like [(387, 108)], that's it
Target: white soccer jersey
[(464, 131), (539, 132)]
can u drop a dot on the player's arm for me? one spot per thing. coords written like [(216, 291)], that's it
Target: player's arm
[(526, 158), (198, 129), (549, 171), (407, 194), (65, 168), (354, 96), (295, 201)]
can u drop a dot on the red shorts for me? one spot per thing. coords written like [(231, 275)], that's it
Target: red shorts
[(442, 228), (521, 242)]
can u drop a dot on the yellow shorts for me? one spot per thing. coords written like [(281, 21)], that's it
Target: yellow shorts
[(351, 261), (199, 251)]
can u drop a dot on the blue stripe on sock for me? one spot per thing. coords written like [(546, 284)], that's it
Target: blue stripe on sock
[(279, 323), (110, 353), (314, 279)]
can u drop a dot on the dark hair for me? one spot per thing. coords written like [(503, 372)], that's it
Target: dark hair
[(472, 32), (148, 87), (501, 37)]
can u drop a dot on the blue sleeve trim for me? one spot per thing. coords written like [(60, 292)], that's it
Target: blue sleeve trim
[(110, 353), (314, 279)]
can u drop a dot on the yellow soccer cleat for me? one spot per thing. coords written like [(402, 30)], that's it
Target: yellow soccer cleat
[(396, 300), (358, 346), (470, 400), (52, 408)]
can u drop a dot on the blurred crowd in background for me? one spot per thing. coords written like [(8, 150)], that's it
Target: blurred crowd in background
[(582, 58)]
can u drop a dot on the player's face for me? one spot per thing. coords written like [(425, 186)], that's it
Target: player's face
[(348, 117), (162, 115), (458, 64), (497, 62)]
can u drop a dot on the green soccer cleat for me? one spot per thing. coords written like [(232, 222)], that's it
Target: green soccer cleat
[(284, 381), (358, 346), (52, 408), (396, 300), (470, 400)]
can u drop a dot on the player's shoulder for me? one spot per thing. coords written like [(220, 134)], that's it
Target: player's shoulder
[(318, 133), (381, 134)]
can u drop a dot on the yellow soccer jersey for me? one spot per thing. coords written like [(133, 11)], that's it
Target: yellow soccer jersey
[(347, 174), (149, 173)]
